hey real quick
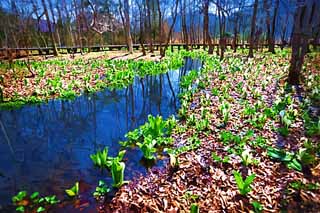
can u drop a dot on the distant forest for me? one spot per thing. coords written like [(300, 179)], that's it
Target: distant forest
[(49, 23)]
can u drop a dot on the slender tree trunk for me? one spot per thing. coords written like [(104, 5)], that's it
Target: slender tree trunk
[(302, 32), (142, 21), (56, 31), (205, 22), (149, 30), (253, 28), (78, 25), (68, 26), (234, 43), (283, 32), (222, 29), (175, 12), (160, 27), (127, 26), (274, 19), (184, 24), (206, 34), (266, 5), (55, 50)]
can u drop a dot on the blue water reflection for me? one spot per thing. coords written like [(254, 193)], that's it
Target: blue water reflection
[(46, 147)]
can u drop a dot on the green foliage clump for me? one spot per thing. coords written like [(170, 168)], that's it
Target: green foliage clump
[(243, 185), (34, 202), (101, 190)]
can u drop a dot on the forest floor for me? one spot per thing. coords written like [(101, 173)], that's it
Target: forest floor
[(257, 126), (245, 140), (65, 76), (117, 54)]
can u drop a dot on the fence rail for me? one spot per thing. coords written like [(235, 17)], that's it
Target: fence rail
[(8, 53)]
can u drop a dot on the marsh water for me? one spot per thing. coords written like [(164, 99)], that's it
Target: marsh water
[(46, 147)]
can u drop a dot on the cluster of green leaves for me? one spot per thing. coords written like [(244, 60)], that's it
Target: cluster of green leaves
[(224, 109), (183, 109), (114, 164), (247, 158), (148, 147), (187, 80), (312, 125), (194, 208), (73, 191), (192, 143), (243, 184), (101, 190), (173, 157), (117, 171), (101, 159), (227, 137), (154, 133), (298, 185), (34, 202), (257, 207), (218, 159), (296, 161)]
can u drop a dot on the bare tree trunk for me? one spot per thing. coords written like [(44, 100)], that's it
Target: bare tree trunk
[(127, 26), (283, 32), (142, 10), (206, 33), (272, 39), (184, 24), (55, 50), (253, 28), (302, 32), (54, 22), (78, 25), (175, 12), (160, 27), (266, 5), (234, 43), (149, 30), (205, 21), (67, 27)]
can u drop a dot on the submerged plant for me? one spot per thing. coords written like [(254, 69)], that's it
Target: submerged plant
[(147, 147), (34, 202), (101, 159), (101, 190), (117, 172), (243, 185), (73, 191), (155, 126)]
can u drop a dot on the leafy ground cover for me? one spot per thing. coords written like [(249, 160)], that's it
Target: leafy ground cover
[(66, 79), (245, 141)]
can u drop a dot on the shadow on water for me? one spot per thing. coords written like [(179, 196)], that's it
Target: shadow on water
[(46, 147)]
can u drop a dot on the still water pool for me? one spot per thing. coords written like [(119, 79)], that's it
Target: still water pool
[(46, 147)]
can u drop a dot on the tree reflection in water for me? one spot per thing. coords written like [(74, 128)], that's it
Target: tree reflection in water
[(46, 147)]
